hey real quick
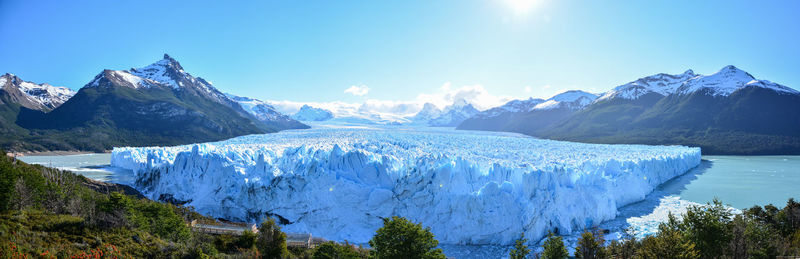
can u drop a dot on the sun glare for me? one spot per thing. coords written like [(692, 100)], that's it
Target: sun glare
[(521, 7)]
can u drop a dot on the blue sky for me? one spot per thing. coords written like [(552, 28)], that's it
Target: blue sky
[(312, 51)]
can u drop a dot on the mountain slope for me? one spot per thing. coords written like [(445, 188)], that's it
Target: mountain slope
[(267, 114), (728, 112), (428, 112), (530, 116), (33, 96), (159, 104), (17, 94), (453, 115), (308, 113)]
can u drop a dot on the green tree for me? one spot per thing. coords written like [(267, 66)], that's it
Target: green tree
[(708, 228), (247, 239), (520, 250), (590, 246), (271, 242), (401, 238), (554, 248), (625, 248), (669, 242)]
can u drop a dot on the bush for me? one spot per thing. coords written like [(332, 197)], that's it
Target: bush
[(247, 240), (332, 250), (400, 238)]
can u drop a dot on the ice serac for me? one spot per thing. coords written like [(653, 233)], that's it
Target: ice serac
[(468, 187)]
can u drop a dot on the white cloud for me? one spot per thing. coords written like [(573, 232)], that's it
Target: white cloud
[(528, 89), (477, 95), (357, 90)]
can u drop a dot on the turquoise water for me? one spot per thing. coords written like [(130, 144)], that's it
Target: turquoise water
[(92, 166), (741, 181)]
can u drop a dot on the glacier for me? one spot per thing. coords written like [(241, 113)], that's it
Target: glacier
[(469, 187)]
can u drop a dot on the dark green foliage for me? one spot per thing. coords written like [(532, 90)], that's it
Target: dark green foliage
[(332, 250), (670, 242), (520, 250), (708, 227), (554, 248), (63, 217), (271, 242), (401, 238), (247, 240), (590, 246), (626, 247)]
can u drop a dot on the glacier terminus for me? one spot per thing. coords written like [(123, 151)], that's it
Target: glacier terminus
[(469, 187)]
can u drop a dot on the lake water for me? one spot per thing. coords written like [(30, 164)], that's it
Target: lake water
[(93, 166), (739, 181)]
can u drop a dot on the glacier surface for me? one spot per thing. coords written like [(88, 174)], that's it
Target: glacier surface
[(468, 187)]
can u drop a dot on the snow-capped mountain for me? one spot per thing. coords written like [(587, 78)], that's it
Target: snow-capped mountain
[(727, 112), (662, 84), (454, 114), (166, 73), (42, 97), (722, 83), (266, 113), (529, 115), (728, 80), (428, 112), (308, 113), (573, 100), (159, 104)]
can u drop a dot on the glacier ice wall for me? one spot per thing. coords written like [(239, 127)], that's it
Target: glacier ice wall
[(468, 187)]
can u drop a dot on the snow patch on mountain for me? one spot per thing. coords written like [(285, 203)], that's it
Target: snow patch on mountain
[(726, 81), (468, 187), (454, 114), (429, 111), (514, 106), (722, 83), (663, 84), (574, 99), (308, 113), (45, 95), (263, 111)]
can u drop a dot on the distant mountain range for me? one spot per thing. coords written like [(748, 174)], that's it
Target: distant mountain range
[(728, 112), (160, 104), (430, 115)]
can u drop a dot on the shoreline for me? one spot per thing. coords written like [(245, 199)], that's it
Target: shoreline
[(54, 153)]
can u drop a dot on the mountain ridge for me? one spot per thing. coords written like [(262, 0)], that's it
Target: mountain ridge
[(728, 112), (159, 104)]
